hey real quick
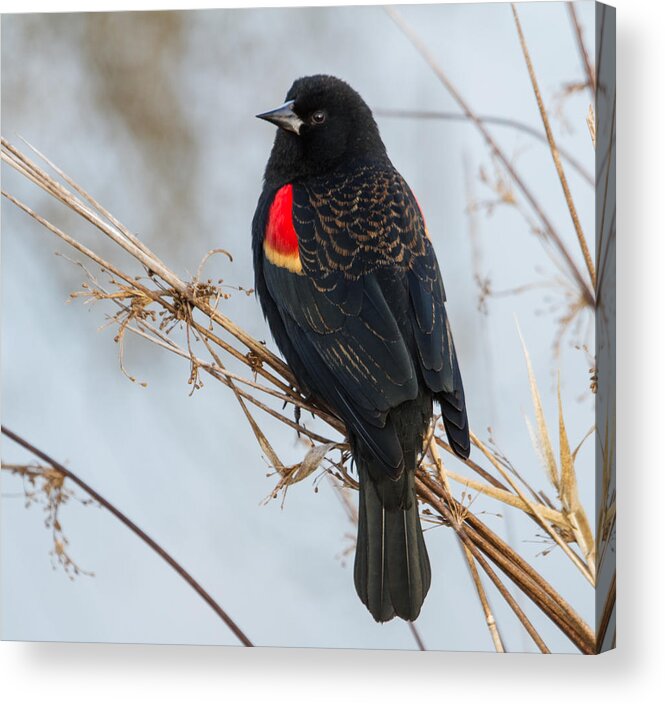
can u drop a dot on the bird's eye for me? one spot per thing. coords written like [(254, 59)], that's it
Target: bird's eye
[(318, 117)]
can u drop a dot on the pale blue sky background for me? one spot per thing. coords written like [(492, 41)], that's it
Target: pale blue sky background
[(154, 115)]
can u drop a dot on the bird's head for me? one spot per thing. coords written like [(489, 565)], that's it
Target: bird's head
[(323, 123)]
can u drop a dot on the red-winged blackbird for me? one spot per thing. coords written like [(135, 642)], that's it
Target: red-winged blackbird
[(351, 289)]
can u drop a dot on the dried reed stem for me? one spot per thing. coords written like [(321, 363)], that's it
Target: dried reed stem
[(39, 177), (489, 616), (602, 237), (459, 512)]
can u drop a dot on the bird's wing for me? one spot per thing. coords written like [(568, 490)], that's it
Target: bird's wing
[(336, 314), (436, 349)]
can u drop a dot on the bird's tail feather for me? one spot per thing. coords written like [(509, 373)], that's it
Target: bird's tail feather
[(453, 412), (453, 415), (392, 571)]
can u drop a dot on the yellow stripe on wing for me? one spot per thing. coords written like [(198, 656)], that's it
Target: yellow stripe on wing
[(290, 261)]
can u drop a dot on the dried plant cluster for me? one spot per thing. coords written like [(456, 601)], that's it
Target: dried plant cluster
[(187, 319), (45, 486)]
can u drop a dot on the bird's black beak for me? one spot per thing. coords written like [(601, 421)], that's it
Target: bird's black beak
[(284, 116)]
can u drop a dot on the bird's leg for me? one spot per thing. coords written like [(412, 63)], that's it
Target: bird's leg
[(296, 414)]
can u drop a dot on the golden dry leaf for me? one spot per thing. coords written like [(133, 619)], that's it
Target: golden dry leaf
[(311, 462), (508, 498), (263, 441), (543, 439), (591, 123), (296, 473), (570, 496)]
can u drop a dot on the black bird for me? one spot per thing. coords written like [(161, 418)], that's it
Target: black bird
[(352, 292)]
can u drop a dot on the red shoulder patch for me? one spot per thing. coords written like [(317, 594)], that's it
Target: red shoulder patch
[(422, 215), (280, 243)]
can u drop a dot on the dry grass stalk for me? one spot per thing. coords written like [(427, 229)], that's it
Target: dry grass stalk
[(586, 291), (416, 636), (584, 54), (489, 616), (470, 528), (193, 307), (555, 153), (606, 518), (459, 515), (570, 499), (487, 476)]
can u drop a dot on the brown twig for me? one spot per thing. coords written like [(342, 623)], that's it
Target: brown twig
[(136, 530)]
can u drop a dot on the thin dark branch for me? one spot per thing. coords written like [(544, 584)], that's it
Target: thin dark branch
[(416, 635), (489, 120), (136, 530)]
